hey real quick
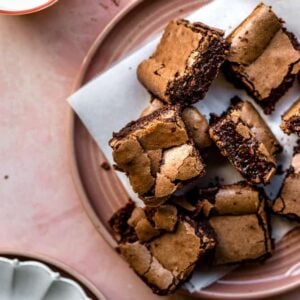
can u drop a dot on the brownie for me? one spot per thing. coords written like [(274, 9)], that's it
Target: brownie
[(238, 216), (264, 57), (167, 247), (195, 123), (287, 203), (157, 155), (185, 62), (291, 119), (245, 139)]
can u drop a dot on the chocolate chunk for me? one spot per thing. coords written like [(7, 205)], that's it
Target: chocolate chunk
[(185, 62), (237, 215), (291, 119), (264, 57), (157, 155), (244, 138), (167, 260), (288, 203), (195, 123)]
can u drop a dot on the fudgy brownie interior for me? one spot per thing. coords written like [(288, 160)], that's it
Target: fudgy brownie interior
[(244, 138)]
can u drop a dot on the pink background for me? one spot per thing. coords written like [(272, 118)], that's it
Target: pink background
[(40, 209)]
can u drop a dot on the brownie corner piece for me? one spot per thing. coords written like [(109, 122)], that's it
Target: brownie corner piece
[(291, 119), (186, 61), (287, 204), (238, 217), (166, 248), (157, 155), (262, 48), (245, 139)]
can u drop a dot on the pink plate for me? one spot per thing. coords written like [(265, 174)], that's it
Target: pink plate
[(100, 189)]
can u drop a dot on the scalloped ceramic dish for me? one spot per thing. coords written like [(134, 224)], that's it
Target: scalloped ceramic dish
[(32, 280), (22, 7)]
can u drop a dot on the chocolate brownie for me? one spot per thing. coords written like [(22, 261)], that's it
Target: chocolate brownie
[(288, 202), (237, 215), (165, 255), (264, 57), (157, 155), (291, 119), (185, 62), (195, 123), (245, 139)]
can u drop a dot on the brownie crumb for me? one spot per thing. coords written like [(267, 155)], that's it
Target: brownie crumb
[(6, 177), (105, 166), (116, 2)]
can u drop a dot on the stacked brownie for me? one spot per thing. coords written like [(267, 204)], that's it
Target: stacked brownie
[(165, 150), (264, 57)]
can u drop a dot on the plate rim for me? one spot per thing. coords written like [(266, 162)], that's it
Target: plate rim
[(49, 261), (80, 188)]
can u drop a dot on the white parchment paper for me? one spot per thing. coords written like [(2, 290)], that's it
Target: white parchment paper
[(116, 97)]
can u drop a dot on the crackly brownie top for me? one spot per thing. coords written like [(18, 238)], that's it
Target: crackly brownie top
[(262, 48), (237, 214), (249, 115), (291, 119), (195, 123), (166, 254), (234, 199), (156, 154), (246, 140), (181, 45), (249, 40)]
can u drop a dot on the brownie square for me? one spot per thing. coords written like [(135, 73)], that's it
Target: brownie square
[(185, 62), (157, 155), (195, 123), (166, 246), (237, 215), (291, 119), (287, 203), (264, 57), (245, 139)]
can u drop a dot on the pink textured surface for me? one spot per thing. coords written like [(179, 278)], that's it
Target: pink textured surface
[(40, 209)]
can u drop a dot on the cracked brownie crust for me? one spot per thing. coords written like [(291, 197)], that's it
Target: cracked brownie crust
[(166, 259), (262, 48), (185, 62), (195, 123), (157, 155), (291, 119), (244, 138), (237, 214)]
